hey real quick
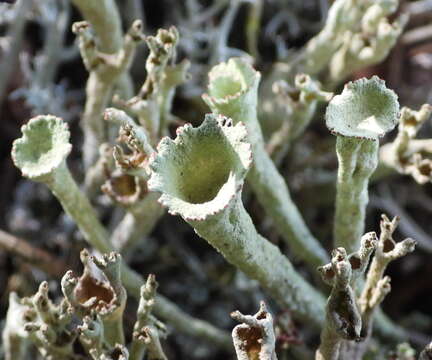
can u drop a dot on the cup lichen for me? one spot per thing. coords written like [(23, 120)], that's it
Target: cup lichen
[(200, 176), (43, 147), (201, 170), (233, 92), (364, 111)]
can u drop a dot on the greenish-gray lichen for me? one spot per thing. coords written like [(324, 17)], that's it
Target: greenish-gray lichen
[(363, 112), (232, 91), (216, 211)]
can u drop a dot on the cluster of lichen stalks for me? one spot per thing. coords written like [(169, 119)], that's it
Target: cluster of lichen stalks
[(199, 176)]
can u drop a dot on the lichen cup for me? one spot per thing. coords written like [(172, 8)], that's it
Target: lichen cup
[(200, 175), (43, 147), (233, 92), (201, 172), (41, 155), (364, 111)]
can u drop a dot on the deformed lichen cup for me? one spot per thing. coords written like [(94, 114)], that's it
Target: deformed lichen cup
[(364, 112), (99, 290), (200, 176)]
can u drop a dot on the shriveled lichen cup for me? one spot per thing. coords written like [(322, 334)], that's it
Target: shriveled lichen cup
[(203, 169)]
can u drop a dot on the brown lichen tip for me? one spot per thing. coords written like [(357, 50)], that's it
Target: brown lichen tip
[(254, 338), (388, 250), (343, 316), (43, 147), (202, 170), (411, 120), (99, 288), (124, 189), (230, 81), (365, 109), (131, 133)]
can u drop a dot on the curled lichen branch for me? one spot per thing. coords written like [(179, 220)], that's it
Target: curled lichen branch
[(37, 320), (387, 251), (377, 285)]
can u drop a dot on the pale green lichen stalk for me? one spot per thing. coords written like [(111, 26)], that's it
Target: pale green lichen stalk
[(232, 91), (365, 111), (200, 175), (41, 155)]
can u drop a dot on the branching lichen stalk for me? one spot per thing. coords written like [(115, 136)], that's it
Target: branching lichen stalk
[(105, 70), (377, 286), (406, 154), (387, 251), (147, 330), (152, 106)]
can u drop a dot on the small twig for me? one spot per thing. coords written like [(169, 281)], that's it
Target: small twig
[(35, 256)]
